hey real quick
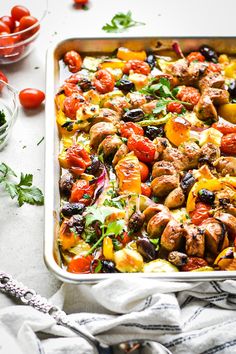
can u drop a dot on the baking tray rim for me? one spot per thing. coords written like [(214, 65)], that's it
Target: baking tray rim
[(49, 209)]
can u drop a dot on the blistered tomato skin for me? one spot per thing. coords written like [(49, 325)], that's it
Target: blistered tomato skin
[(143, 148), (80, 264), (31, 98), (228, 144), (72, 104), (78, 159), (137, 66), (200, 213), (190, 95), (225, 127), (130, 128), (193, 263), (103, 81), (73, 60), (175, 107), (17, 12), (195, 56)]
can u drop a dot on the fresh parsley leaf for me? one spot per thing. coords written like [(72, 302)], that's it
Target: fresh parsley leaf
[(24, 191), (160, 106), (120, 22), (120, 204), (95, 213), (115, 227)]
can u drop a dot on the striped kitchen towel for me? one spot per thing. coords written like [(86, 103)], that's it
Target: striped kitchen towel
[(185, 317)]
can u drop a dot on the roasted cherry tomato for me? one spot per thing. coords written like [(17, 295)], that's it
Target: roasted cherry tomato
[(80, 2), (17, 12), (137, 66), (4, 27), (144, 170), (195, 56), (69, 89), (213, 67), (228, 144), (124, 239), (3, 78), (78, 159), (103, 81), (143, 148), (73, 60), (31, 98), (129, 128), (80, 264), (224, 127), (27, 22), (146, 190), (9, 21), (82, 192), (200, 213), (190, 95), (72, 104), (175, 107), (193, 263)]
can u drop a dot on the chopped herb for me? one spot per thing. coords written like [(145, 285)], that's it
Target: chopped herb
[(98, 267), (2, 118), (40, 141), (120, 22), (116, 244), (120, 204), (24, 191), (155, 242), (86, 196), (156, 199)]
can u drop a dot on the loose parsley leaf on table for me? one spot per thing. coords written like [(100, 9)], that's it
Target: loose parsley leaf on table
[(120, 22), (23, 191)]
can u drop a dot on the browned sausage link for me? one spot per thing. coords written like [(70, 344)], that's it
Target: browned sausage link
[(173, 235)]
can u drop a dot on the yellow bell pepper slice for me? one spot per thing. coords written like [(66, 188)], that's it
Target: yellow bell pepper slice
[(63, 160), (128, 174), (127, 54), (228, 112), (177, 130), (107, 248), (112, 64), (226, 260), (230, 70)]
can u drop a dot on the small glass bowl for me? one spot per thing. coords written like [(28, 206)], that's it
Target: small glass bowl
[(16, 46), (9, 106)]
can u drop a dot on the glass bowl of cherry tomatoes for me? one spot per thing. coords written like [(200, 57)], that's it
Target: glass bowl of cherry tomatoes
[(19, 28)]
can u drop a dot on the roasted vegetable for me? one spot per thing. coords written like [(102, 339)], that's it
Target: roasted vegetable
[(128, 174)]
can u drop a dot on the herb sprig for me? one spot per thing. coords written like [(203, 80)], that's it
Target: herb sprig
[(120, 22), (23, 191)]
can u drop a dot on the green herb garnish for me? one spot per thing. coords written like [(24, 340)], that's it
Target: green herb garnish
[(24, 191), (2, 118), (120, 22)]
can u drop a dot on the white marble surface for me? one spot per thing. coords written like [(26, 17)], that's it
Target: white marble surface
[(21, 229)]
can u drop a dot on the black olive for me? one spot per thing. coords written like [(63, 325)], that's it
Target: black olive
[(206, 196), (151, 60), (136, 221), (209, 53), (66, 183), (134, 115), (146, 249), (125, 85), (153, 132), (85, 84), (187, 182), (108, 267), (70, 209), (96, 166), (76, 223), (232, 89), (177, 258)]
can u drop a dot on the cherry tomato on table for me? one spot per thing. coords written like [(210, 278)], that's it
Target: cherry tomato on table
[(17, 12), (195, 56), (175, 107), (144, 171), (73, 60), (200, 213), (129, 128), (3, 78), (80, 2), (225, 127), (78, 159), (137, 66), (193, 263), (31, 98), (80, 264), (103, 81), (190, 95), (228, 144), (6, 44), (72, 104), (82, 192), (4, 27), (9, 21), (143, 148)]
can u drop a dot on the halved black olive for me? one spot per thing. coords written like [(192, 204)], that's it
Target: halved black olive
[(134, 115), (146, 249), (66, 183), (108, 267), (153, 132), (125, 85), (151, 60), (177, 258), (85, 84), (136, 221), (232, 89), (206, 196), (209, 53), (187, 182), (76, 223), (96, 166), (70, 209)]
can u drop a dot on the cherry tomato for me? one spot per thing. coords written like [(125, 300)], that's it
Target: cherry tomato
[(17, 12), (103, 81), (73, 60), (124, 239), (228, 144), (129, 128), (69, 89), (146, 190), (82, 192), (17, 29), (200, 213), (144, 170), (143, 148), (80, 264), (175, 107), (72, 104), (195, 56), (225, 127), (212, 67), (3, 78), (31, 98), (27, 22), (137, 66), (193, 263), (6, 44), (8, 20), (190, 95), (80, 2), (77, 158), (4, 27)]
